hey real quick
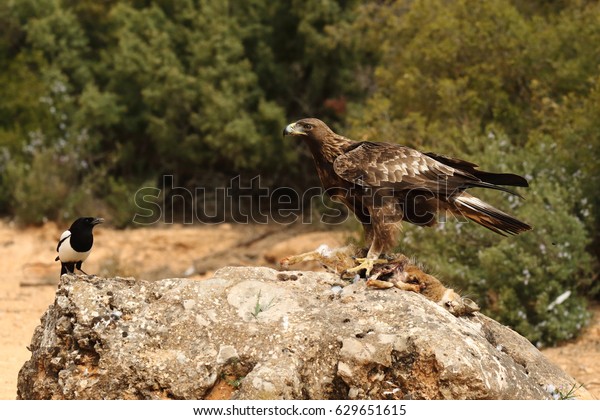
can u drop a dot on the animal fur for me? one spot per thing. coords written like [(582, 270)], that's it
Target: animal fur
[(398, 271)]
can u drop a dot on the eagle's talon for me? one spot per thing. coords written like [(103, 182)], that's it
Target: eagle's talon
[(366, 264)]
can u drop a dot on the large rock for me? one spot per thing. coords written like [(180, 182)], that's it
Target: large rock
[(267, 335)]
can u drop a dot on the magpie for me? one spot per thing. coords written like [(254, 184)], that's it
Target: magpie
[(75, 244)]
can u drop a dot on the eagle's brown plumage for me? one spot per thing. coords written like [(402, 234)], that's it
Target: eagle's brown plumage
[(384, 184)]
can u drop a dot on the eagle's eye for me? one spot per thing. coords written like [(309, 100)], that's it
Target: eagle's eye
[(308, 126)]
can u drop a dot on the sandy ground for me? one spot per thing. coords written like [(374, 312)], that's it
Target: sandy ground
[(29, 276)]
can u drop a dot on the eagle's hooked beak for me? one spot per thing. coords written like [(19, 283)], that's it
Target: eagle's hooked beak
[(97, 221), (291, 130)]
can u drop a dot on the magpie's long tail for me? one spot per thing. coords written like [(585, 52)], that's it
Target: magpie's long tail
[(487, 216)]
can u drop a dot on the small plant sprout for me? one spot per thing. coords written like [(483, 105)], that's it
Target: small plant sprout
[(570, 394), (260, 307), (558, 394), (234, 383)]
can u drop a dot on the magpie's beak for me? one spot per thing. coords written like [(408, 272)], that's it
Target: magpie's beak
[(293, 130), (97, 221)]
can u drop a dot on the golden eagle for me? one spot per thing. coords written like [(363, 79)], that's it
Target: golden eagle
[(384, 184)]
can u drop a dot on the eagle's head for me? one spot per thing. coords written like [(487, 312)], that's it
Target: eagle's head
[(309, 128)]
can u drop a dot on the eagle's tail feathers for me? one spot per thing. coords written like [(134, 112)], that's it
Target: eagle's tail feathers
[(489, 177), (495, 187), (489, 217), (501, 179)]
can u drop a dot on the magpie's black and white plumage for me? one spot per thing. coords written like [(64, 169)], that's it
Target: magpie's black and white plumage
[(75, 244)]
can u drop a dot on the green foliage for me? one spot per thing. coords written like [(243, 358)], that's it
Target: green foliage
[(301, 55), (517, 279), (513, 92), (38, 189), (120, 196), (134, 90)]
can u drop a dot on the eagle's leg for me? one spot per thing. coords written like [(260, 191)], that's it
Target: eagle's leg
[(381, 230)]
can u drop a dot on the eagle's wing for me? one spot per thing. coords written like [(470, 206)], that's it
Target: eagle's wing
[(471, 168), (399, 167), (452, 161)]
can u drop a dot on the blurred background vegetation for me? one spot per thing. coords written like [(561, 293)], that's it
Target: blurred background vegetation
[(101, 98)]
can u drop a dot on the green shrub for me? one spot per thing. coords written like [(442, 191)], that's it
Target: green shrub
[(516, 279), (119, 196), (39, 190), (515, 93)]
